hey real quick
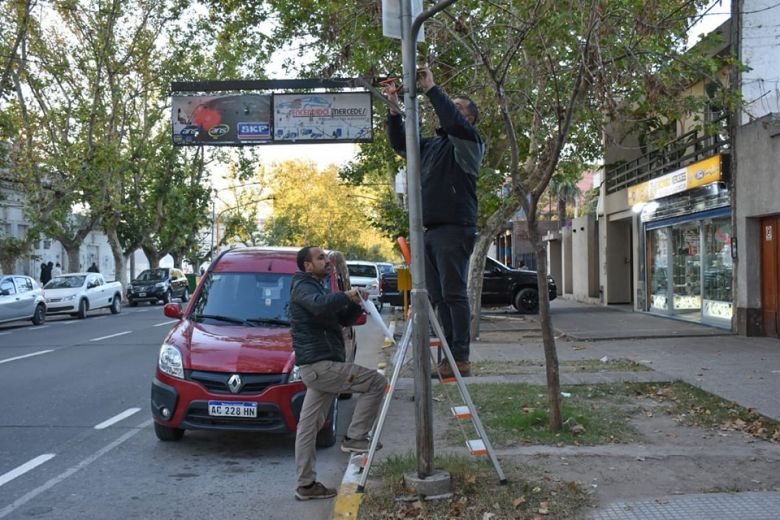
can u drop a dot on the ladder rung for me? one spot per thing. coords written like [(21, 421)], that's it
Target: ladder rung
[(476, 447), (461, 412)]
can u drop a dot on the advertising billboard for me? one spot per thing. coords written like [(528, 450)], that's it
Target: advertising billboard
[(323, 117), (233, 120)]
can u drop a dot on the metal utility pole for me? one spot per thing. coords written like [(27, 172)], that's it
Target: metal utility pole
[(420, 340)]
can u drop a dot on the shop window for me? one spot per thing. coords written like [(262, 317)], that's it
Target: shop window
[(658, 259), (717, 270)]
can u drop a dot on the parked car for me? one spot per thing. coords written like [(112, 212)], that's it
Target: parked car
[(501, 285), (77, 293), (229, 363), (366, 275), (158, 284), (21, 298)]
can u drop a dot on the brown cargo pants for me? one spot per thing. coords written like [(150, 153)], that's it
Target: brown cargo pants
[(324, 381)]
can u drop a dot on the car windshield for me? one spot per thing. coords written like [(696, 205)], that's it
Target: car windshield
[(256, 299), (65, 282), (385, 268), (151, 275), (368, 271)]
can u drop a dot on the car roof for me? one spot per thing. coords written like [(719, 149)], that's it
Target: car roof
[(258, 259), (360, 262), (68, 275)]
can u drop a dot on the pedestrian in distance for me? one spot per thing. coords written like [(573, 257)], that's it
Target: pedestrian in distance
[(316, 320), (57, 271), (449, 166), (45, 273), (93, 268)]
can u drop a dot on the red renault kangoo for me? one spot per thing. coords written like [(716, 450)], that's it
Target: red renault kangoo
[(229, 363)]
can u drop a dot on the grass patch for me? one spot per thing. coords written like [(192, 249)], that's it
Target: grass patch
[(529, 366), (476, 493), (693, 406), (517, 413), (534, 366)]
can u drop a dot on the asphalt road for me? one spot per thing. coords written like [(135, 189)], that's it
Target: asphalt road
[(76, 437)]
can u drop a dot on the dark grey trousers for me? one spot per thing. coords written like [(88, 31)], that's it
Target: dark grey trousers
[(447, 252)]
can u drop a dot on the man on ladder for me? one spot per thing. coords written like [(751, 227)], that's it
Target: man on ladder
[(449, 166)]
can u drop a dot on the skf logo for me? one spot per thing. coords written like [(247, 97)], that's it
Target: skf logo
[(254, 131), (699, 175), (219, 130)]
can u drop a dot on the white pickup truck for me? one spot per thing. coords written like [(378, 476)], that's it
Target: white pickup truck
[(77, 293)]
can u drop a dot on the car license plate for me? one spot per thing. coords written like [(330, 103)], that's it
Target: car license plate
[(232, 409), (141, 294)]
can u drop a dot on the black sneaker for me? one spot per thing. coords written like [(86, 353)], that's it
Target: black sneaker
[(314, 492), (357, 445)]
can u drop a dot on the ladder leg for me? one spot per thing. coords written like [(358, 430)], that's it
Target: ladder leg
[(465, 394), (377, 433)]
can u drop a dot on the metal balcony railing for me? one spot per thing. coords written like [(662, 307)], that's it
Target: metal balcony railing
[(683, 151)]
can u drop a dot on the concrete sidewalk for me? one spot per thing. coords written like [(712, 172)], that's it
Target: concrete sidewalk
[(743, 370)]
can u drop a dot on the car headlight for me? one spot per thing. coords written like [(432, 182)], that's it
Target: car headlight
[(69, 298), (295, 375), (160, 285), (170, 361)]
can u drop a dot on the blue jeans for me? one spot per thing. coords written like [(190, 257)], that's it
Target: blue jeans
[(447, 252)]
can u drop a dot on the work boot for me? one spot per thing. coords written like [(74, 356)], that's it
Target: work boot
[(358, 445), (464, 367), (314, 491)]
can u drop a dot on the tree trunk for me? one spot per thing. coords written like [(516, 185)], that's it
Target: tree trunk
[(477, 263), (72, 251), (8, 264), (152, 256), (548, 337), (119, 257), (562, 213), (176, 259)]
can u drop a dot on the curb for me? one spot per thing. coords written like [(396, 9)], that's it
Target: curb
[(348, 500)]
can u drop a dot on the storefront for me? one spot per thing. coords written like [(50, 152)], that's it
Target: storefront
[(687, 267)]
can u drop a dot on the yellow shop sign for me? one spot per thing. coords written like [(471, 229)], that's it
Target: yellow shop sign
[(698, 174)]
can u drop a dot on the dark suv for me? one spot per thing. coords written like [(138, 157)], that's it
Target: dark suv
[(159, 284), (502, 285)]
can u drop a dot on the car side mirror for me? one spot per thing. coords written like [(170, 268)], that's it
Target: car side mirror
[(362, 319), (173, 310), (6, 292)]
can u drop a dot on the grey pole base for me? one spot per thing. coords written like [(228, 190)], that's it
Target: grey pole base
[(439, 484)]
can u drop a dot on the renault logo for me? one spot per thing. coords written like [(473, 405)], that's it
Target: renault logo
[(235, 383)]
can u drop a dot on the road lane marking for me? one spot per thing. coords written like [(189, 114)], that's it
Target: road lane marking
[(115, 419), (7, 510), (112, 335), (68, 322), (98, 318), (166, 323), (4, 333), (8, 360), (39, 327), (143, 310), (24, 468)]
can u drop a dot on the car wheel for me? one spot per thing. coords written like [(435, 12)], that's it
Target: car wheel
[(40, 315), (82, 309), (167, 296), (380, 306), (326, 437), (185, 296), (116, 305), (527, 300), (166, 433)]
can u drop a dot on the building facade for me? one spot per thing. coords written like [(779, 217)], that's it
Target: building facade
[(691, 230)]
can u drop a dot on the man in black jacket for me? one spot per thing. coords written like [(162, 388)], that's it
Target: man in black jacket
[(316, 318), (449, 166)]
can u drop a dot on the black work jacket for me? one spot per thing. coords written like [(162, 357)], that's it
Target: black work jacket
[(316, 317), (449, 163)]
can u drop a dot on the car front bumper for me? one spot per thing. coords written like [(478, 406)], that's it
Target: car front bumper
[(151, 294), (278, 406)]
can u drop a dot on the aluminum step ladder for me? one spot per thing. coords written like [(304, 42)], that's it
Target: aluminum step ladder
[(479, 446)]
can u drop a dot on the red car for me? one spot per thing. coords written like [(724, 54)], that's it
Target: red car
[(229, 363)]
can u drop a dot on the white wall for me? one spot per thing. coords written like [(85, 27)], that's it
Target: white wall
[(760, 84)]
